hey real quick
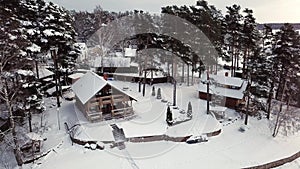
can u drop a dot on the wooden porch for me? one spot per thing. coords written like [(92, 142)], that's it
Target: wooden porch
[(108, 107)]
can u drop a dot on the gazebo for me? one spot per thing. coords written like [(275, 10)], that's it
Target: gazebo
[(99, 99)]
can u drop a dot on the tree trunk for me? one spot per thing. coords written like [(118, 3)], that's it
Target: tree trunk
[(182, 78), (17, 150), (37, 69), (248, 102), (270, 101), (277, 124), (193, 77), (279, 86), (188, 74), (232, 58), (246, 54)]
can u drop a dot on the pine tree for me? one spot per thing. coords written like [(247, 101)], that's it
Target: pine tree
[(249, 38), (169, 118), (233, 24), (286, 60), (12, 47), (264, 73), (189, 110)]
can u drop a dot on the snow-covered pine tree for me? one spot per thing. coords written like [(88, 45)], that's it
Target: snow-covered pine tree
[(169, 118), (153, 91), (158, 96), (233, 20), (189, 110), (286, 58), (12, 45), (264, 74), (250, 38), (286, 64)]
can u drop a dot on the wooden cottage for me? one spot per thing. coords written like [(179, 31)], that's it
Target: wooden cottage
[(99, 99), (224, 91)]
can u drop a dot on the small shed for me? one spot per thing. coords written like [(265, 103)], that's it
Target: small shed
[(231, 89), (32, 145), (74, 77), (99, 99)]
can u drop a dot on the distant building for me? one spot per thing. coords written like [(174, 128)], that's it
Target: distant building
[(74, 77), (129, 52), (98, 99), (226, 91), (83, 51)]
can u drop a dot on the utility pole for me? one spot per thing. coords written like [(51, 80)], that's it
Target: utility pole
[(247, 109), (174, 92), (144, 81), (207, 92)]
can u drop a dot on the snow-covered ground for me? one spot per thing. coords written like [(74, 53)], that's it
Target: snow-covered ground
[(230, 149)]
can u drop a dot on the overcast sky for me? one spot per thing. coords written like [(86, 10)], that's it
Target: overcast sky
[(265, 11)]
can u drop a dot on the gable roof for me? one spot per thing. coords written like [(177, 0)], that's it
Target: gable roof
[(224, 80), (89, 84), (222, 91)]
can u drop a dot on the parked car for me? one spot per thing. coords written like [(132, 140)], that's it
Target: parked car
[(197, 139)]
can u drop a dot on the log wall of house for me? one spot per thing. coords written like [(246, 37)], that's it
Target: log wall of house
[(230, 102), (80, 106)]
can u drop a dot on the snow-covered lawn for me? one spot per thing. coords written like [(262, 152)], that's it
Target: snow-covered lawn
[(230, 149)]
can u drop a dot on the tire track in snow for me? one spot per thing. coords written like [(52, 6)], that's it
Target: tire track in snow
[(129, 159)]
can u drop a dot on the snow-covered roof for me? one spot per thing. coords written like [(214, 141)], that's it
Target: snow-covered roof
[(80, 45), (129, 52), (89, 84), (218, 108), (25, 72), (227, 92), (81, 71), (119, 54), (76, 75), (224, 80), (34, 136), (43, 72), (111, 62)]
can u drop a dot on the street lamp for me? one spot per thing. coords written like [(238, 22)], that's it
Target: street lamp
[(53, 51), (174, 92), (207, 82)]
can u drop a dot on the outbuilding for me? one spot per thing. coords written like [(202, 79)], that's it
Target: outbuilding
[(226, 91)]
